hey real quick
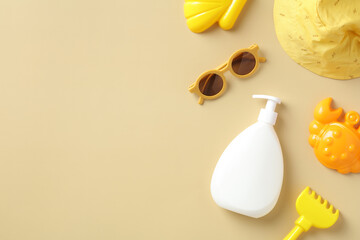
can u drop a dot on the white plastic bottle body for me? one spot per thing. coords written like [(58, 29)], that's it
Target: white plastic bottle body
[(248, 176)]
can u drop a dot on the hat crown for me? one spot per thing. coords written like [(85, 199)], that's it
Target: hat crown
[(322, 36)]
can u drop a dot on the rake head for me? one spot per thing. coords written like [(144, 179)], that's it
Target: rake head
[(315, 209)]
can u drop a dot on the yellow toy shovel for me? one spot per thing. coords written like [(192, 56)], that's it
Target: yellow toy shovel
[(314, 212)]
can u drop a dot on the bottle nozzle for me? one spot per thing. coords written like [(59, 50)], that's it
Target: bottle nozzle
[(268, 113)]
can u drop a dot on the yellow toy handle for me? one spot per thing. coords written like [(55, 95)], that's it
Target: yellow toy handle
[(295, 233), (227, 21)]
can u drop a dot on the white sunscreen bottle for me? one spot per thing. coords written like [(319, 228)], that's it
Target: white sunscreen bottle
[(248, 176)]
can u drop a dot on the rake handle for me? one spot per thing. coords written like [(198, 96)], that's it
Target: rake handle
[(295, 233)]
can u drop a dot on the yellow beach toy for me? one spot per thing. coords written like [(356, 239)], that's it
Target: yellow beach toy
[(202, 14), (314, 211)]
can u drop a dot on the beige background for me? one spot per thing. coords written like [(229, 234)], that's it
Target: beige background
[(99, 138)]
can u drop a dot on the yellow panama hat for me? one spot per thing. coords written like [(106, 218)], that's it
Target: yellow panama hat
[(321, 35)]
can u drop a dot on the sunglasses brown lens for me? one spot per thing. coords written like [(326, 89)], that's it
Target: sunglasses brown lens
[(211, 84), (244, 63)]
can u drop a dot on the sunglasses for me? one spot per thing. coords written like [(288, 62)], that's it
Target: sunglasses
[(211, 84)]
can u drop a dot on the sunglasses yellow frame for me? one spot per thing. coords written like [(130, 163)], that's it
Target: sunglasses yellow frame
[(195, 88)]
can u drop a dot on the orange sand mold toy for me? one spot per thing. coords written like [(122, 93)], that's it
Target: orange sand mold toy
[(336, 144)]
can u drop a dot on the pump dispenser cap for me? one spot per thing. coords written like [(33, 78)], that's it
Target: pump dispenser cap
[(268, 114)]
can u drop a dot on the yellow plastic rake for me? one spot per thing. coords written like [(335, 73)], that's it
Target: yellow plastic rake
[(314, 211)]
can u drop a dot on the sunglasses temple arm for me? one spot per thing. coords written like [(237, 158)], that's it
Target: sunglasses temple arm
[(262, 59), (201, 100), (192, 88)]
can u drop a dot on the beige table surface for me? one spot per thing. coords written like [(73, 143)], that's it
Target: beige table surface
[(99, 138)]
